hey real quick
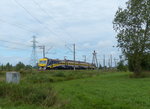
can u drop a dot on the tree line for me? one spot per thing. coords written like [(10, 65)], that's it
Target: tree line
[(19, 66)]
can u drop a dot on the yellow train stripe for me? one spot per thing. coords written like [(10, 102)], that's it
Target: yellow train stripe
[(59, 64)]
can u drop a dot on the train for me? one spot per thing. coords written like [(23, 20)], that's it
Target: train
[(47, 64)]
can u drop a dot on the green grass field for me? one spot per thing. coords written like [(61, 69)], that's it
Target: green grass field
[(91, 90)]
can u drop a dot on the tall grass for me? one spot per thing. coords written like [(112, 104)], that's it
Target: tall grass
[(58, 75), (29, 94), (35, 87)]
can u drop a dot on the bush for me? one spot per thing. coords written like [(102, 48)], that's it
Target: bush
[(140, 75)]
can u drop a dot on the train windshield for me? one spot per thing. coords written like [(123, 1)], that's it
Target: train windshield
[(43, 62)]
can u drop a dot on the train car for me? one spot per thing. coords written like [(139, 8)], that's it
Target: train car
[(45, 64)]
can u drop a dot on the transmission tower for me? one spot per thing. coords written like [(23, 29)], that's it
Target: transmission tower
[(94, 59), (34, 54)]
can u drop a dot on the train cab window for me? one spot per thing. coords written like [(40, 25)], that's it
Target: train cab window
[(42, 62)]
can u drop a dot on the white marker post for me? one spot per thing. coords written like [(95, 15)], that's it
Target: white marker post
[(13, 77)]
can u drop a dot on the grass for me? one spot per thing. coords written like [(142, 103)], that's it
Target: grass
[(107, 91), (28, 94), (82, 90)]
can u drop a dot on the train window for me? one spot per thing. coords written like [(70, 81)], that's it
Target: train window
[(55, 62)]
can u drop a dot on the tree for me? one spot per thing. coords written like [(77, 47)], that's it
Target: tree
[(2, 67), (8, 66), (20, 66), (28, 67), (121, 66), (132, 25), (146, 62)]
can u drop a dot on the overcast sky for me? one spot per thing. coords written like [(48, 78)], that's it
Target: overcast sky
[(57, 24)]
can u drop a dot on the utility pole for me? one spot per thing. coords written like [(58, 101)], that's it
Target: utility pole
[(104, 62), (34, 55), (100, 66), (115, 60), (74, 57), (94, 60), (65, 57), (111, 60), (43, 47), (84, 58)]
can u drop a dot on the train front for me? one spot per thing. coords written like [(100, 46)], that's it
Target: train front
[(42, 64)]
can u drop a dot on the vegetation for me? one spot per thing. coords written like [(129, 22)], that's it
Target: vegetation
[(35, 88), (81, 89), (19, 66), (121, 66), (132, 25), (57, 75), (107, 91), (28, 94)]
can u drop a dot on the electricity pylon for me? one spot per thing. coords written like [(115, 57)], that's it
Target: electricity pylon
[(34, 54), (94, 59)]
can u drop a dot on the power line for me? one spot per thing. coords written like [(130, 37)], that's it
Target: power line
[(4, 46), (6, 35), (39, 21), (17, 43), (69, 48), (16, 25), (19, 4), (51, 18), (28, 11), (47, 52)]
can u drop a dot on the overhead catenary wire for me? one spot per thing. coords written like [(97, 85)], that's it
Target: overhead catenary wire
[(69, 48)]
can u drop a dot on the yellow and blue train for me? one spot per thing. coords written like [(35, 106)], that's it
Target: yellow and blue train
[(45, 64)]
